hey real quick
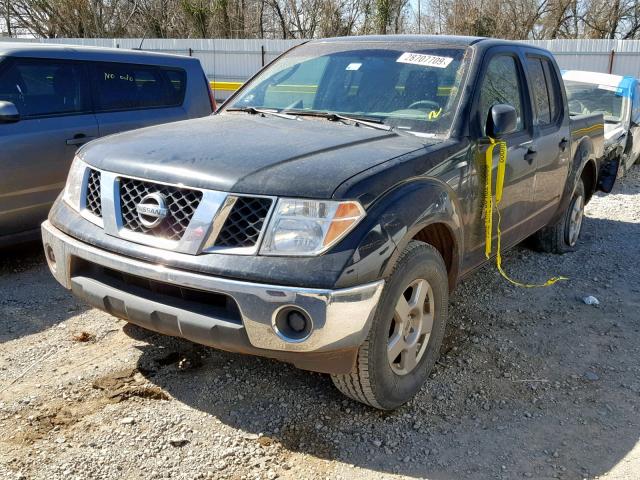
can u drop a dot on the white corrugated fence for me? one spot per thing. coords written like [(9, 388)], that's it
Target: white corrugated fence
[(621, 57), (231, 61)]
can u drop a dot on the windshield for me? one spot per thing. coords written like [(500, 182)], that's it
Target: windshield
[(412, 87), (585, 98)]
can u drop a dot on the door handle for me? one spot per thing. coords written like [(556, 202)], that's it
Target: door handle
[(530, 155), (79, 139), (563, 144)]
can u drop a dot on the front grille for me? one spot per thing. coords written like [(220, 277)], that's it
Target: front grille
[(244, 223), (180, 202), (93, 203)]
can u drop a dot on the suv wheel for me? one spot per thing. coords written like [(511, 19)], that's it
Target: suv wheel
[(563, 236), (406, 334)]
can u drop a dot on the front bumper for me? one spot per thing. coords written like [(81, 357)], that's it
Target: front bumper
[(340, 318)]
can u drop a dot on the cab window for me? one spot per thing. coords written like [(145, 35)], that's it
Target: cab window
[(545, 89), (501, 85), (553, 87), (541, 102)]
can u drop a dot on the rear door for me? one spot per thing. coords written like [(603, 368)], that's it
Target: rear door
[(551, 134), (129, 96), (35, 153)]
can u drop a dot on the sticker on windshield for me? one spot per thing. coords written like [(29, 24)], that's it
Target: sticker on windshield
[(353, 66), (425, 60)]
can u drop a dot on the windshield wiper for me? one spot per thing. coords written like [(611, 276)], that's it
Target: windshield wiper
[(357, 121), (262, 111), (377, 124)]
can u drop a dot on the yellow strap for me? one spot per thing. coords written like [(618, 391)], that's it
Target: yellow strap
[(488, 200), (489, 204)]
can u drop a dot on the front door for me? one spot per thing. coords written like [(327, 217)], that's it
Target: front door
[(502, 83)]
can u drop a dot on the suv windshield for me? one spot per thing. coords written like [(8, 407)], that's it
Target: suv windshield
[(408, 86), (585, 98)]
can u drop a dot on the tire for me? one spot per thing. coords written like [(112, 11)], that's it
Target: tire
[(378, 381), (562, 237)]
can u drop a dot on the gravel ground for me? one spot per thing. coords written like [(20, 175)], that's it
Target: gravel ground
[(531, 384)]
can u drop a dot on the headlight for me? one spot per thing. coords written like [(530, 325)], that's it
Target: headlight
[(75, 180), (309, 227)]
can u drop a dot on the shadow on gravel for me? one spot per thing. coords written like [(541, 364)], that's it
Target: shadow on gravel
[(30, 299), (20, 257), (627, 185), (531, 384)]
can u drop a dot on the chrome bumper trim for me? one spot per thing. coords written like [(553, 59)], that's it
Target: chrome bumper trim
[(341, 318)]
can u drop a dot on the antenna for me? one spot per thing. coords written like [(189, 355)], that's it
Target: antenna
[(141, 42)]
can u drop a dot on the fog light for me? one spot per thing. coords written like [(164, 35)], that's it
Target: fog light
[(292, 324), (51, 257)]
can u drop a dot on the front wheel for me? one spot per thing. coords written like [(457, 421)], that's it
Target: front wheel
[(562, 237), (406, 334)]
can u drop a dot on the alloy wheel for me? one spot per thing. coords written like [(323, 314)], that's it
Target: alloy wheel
[(575, 220), (411, 327)]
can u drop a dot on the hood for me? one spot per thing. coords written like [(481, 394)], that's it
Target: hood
[(243, 153)]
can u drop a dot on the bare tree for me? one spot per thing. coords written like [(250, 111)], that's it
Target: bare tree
[(517, 19)]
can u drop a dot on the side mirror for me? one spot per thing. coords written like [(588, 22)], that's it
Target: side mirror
[(8, 112), (502, 119)]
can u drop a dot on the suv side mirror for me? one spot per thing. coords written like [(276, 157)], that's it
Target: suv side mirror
[(502, 119), (8, 112)]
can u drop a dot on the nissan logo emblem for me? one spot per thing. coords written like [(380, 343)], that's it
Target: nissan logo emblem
[(152, 209)]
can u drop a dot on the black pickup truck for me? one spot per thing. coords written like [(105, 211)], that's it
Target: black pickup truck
[(324, 213)]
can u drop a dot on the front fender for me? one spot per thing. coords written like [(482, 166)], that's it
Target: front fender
[(397, 218)]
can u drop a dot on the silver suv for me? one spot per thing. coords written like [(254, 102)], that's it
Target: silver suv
[(55, 98)]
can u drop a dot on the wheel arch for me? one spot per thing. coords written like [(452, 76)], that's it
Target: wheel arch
[(583, 163), (589, 177), (440, 236), (432, 215)]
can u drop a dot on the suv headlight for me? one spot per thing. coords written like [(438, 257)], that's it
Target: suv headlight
[(75, 180), (309, 227)]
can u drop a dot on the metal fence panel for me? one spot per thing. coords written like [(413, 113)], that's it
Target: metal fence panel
[(596, 55), (234, 60)]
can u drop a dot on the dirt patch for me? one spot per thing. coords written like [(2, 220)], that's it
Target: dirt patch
[(57, 416), (84, 337), (126, 384)]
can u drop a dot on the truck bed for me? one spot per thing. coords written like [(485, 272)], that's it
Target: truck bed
[(592, 126)]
